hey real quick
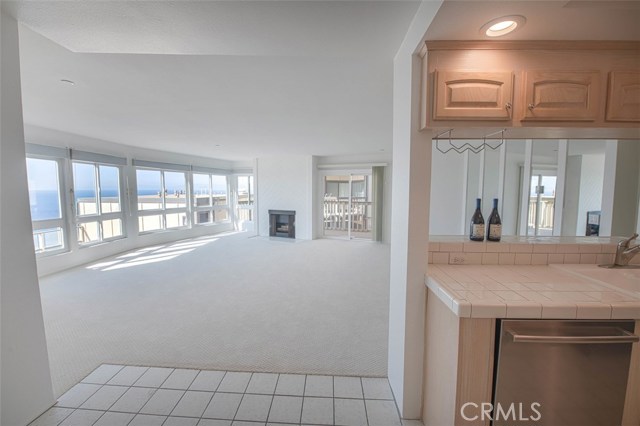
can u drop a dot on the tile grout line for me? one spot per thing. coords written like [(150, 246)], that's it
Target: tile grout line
[(241, 399), (333, 395), (167, 378), (366, 414), (217, 390), (273, 396), (304, 391), (214, 394)]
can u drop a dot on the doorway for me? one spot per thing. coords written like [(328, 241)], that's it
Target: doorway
[(542, 199), (348, 205)]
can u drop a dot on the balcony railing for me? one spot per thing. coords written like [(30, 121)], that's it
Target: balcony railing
[(338, 217), (546, 213)]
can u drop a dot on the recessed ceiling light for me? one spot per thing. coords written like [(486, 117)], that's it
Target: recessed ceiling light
[(502, 26), (69, 82)]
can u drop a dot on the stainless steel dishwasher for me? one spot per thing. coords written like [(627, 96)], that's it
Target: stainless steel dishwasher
[(562, 373)]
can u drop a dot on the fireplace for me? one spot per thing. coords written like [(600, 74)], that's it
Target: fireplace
[(282, 223)]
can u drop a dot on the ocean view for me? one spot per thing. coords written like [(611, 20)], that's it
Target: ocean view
[(45, 204)]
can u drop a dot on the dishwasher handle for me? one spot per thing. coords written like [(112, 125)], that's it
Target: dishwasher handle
[(621, 336)]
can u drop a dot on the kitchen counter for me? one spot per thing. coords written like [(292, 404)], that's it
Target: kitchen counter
[(553, 291)]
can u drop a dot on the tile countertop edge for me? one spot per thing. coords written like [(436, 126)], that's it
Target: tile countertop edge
[(530, 309)]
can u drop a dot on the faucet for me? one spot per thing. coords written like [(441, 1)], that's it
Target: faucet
[(624, 253)]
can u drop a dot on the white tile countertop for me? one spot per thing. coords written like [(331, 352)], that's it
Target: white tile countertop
[(549, 291)]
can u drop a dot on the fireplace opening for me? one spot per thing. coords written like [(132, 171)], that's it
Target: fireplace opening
[(282, 223)]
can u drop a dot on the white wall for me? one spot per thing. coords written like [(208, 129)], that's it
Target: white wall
[(448, 189), (286, 183), (514, 160), (591, 181), (82, 255), (625, 199), (410, 222), (638, 195), (26, 380), (572, 195)]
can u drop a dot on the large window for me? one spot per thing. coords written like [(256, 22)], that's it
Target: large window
[(46, 204), (210, 198), (97, 202), (162, 200), (244, 206), (79, 198)]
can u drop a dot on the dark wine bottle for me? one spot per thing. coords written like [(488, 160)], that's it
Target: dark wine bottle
[(494, 224), (476, 232)]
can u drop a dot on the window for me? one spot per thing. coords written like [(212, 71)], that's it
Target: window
[(97, 202), (210, 198), (162, 200), (45, 202), (244, 205)]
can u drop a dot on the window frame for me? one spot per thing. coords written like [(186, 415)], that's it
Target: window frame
[(99, 216), (211, 207), (163, 211), (48, 224), (251, 193)]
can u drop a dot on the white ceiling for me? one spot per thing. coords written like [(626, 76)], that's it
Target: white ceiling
[(545, 20), (262, 28), (255, 77)]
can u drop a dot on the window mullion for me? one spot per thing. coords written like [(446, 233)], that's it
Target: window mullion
[(96, 172)]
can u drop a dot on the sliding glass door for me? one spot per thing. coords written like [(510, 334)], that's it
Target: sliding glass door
[(348, 206)]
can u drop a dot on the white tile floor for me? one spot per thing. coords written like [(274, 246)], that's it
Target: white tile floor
[(114, 395)]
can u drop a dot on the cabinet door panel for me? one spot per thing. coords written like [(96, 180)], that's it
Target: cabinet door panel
[(561, 96), (623, 101), (471, 95)]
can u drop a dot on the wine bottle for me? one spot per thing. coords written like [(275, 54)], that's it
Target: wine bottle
[(494, 224), (476, 232)]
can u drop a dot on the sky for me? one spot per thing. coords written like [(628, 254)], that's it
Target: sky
[(43, 176)]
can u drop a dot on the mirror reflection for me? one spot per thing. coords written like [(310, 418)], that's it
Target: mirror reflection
[(545, 187)]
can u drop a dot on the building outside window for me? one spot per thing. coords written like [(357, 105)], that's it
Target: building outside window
[(210, 198), (162, 199)]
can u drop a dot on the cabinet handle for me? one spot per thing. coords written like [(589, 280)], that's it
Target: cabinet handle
[(618, 335), (531, 106), (507, 106)]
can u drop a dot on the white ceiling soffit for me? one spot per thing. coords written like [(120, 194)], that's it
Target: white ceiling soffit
[(253, 28), (250, 106), (546, 20)]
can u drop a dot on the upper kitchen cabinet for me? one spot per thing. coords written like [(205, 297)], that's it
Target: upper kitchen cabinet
[(461, 95), (623, 100), (561, 96), (535, 88)]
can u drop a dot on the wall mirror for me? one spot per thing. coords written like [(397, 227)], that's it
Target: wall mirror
[(545, 187)]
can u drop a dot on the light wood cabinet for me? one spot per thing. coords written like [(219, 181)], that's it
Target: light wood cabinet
[(623, 96), (561, 96), (556, 89), (473, 95)]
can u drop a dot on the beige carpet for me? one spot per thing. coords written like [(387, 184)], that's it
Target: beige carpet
[(229, 302)]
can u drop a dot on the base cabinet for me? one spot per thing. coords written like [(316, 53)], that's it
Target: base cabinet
[(459, 369)]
